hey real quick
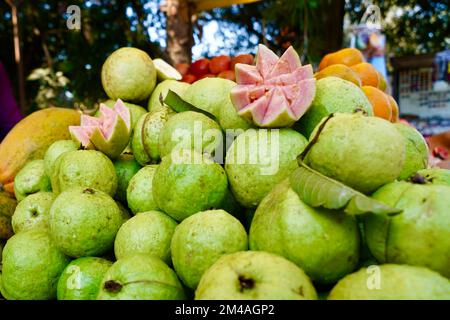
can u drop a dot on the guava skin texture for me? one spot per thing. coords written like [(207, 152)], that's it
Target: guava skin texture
[(126, 167), (213, 95), (140, 277), (333, 95), (324, 243), (84, 222), (420, 235), (162, 89), (31, 267), (145, 140), (87, 169), (81, 278), (33, 212), (137, 144), (128, 74), (436, 175), (183, 131), (140, 190), (31, 179), (416, 150), (254, 275), (392, 282), (56, 149), (148, 233), (257, 160), (362, 152), (182, 187), (203, 238)]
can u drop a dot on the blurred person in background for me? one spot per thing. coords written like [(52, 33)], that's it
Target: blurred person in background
[(9, 110)]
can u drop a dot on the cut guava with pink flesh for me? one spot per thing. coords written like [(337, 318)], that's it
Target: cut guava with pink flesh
[(108, 133), (276, 92)]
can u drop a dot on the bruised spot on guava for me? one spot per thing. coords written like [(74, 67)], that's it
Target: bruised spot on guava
[(245, 283), (89, 191), (361, 109), (300, 291), (112, 286), (417, 178)]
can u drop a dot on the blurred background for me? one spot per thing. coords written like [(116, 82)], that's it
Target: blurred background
[(46, 63)]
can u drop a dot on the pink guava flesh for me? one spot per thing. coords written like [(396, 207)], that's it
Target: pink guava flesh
[(106, 123), (277, 91)]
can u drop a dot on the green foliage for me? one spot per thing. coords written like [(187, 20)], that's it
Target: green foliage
[(52, 87), (311, 26), (79, 54), (418, 27)]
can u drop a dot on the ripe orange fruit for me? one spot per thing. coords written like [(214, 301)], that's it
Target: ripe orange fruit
[(367, 73), (394, 107), (227, 74), (189, 78), (242, 58), (379, 101), (340, 71), (324, 62), (347, 56), (219, 64)]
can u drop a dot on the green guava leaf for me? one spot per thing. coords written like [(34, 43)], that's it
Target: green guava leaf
[(174, 101), (318, 190)]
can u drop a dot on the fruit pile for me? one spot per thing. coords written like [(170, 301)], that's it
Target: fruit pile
[(281, 185), (219, 66)]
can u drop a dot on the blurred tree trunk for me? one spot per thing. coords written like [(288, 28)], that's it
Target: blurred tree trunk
[(179, 31), (334, 23), (18, 54)]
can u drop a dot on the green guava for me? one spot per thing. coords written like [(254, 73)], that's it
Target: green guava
[(31, 266), (324, 243), (190, 130), (254, 275), (333, 95), (123, 212), (201, 239), (146, 136), (82, 278), (162, 88), (362, 152), (126, 167), (31, 179), (140, 277), (87, 169), (56, 149), (140, 190), (147, 233), (128, 74), (213, 95), (135, 111), (259, 159), (420, 235), (84, 222), (392, 282), (436, 175), (188, 184), (416, 150), (33, 212)]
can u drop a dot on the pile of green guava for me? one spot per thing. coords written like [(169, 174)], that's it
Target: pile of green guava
[(276, 186)]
